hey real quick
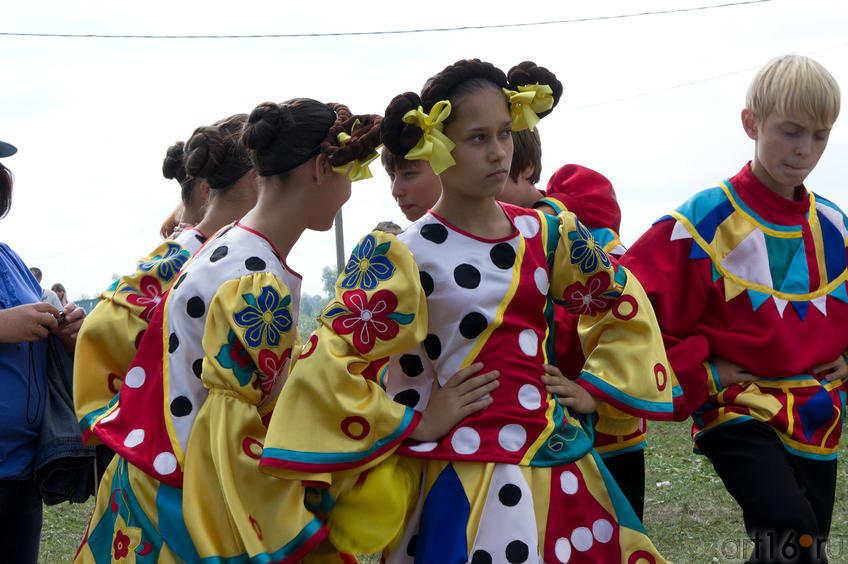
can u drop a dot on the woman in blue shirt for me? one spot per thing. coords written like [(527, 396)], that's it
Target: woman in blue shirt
[(25, 322)]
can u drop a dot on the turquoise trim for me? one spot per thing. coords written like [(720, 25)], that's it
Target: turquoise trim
[(714, 374), (631, 448), (827, 203), (318, 499), (615, 393), (339, 457), (381, 378), (550, 342), (809, 455), (558, 209), (101, 536), (774, 226), (265, 558), (735, 421), (701, 204), (172, 527), (620, 277), (86, 421), (602, 235), (624, 513), (797, 378)]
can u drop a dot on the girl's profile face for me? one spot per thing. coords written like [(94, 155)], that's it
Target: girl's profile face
[(328, 199), (481, 128)]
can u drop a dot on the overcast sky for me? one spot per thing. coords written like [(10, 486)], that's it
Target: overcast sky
[(651, 101)]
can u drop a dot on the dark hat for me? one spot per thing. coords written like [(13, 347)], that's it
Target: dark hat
[(7, 150)]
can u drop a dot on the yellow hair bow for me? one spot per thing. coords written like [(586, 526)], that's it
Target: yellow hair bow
[(434, 146), (527, 103), (359, 170)]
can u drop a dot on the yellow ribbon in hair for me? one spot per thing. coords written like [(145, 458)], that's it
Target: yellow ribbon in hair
[(526, 104), (434, 146), (359, 170)]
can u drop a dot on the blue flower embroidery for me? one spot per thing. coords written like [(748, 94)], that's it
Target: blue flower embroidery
[(264, 318), (169, 264), (234, 356), (585, 251), (367, 265)]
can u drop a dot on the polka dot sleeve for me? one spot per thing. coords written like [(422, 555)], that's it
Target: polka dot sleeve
[(330, 416), (248, 337), (247, 341), (626, 364)]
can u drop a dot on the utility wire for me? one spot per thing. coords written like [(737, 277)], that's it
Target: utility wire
[(385, 32), (578, 108), (685, 84), (95, 245)]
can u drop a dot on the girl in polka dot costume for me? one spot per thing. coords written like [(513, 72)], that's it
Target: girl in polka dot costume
[(189, 421), (518, 481), (111, 333)]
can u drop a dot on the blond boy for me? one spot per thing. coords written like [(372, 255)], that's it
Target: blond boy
[(748, 278)]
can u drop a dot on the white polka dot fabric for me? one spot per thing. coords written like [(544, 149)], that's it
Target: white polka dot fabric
[(234, 253), (470, 278), (510, 533), (486, 301)]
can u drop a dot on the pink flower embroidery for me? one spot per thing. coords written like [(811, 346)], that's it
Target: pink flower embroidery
[(592, 298), (149, 296), (270, 368), (367, 319)]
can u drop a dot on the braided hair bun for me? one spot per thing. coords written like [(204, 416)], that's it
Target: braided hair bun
[(528, 72), (173, 167), (454, 81), (400, 137), (364, 138), (215, 153), (265, 123), (205, 151), (281, 137)]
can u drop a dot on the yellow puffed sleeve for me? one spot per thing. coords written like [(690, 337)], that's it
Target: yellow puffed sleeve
[(232, 509), (626, 364), (107, 340), (330, 416)]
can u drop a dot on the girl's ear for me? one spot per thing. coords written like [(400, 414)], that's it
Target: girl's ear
[(321, 168), (749, 123), (204, 189)]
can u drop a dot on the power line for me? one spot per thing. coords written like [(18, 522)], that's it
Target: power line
[(95, 245), (685, 84), (384, 32)]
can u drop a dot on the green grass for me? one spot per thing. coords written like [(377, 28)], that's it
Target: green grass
[(63, 527), (691, 520), (694, 519)]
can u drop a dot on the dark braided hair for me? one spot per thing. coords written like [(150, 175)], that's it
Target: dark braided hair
[(173, 168), (460, 79), (528, 72), (215, 153), (281, 137), (454, 81)]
